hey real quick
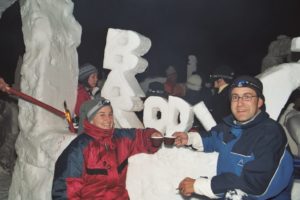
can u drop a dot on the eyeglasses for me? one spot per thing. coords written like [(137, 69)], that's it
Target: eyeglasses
[(245, 97)]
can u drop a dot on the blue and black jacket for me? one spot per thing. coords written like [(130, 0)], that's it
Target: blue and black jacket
[(253, 157)]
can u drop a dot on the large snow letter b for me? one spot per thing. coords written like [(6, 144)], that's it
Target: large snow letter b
[(122, 56)]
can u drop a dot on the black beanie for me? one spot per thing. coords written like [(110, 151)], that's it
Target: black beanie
[(225, 72), (250, 82), (156, 89)]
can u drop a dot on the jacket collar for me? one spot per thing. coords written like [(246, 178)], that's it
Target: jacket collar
[(96, 132), (254, 121)]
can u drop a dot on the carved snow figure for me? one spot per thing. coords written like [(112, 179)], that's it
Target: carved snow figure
[(191, 66), (279, 51)]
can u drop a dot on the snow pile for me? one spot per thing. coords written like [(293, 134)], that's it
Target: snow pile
[(156, 177)]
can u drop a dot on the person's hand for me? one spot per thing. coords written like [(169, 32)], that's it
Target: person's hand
[(186, 186), (157, 134), (181, 139), (3, 85)]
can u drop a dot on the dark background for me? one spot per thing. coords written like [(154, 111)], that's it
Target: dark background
[(219, 32)]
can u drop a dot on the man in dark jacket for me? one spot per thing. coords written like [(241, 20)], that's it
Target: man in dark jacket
[(253, 158), (220, 105)]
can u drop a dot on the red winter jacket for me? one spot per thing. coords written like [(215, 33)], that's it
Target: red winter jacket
[(82, 96), (94, 165)]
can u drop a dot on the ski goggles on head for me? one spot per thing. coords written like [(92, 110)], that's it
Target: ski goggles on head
[(101, 103), (244, 83), (250, 82)]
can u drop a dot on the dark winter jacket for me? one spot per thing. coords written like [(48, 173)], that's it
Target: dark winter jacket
[(94, 165), (220, 105), (193, 97), (252, 157)]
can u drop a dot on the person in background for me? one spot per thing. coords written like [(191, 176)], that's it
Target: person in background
[(87, 85), (171, 81), (94, 165), (195, 93), (156, 89), (253, 160), (171, 86), (220, 105), (102, 78)]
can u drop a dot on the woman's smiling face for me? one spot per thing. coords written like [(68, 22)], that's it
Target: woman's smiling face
[(104, 118)]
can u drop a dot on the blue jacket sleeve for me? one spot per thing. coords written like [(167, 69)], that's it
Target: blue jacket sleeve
[(67, 179)]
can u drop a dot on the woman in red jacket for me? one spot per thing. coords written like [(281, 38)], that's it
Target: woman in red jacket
[(94, 165), (87, 85)]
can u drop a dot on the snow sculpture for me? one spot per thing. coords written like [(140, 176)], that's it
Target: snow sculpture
[(153, 105), (178, 110), (176, 114), (192, 65), (295, 46), (279, 52), (49, 74), (204, 116), (122, 56), (287, 76)]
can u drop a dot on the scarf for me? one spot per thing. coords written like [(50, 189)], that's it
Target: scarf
[(102, 136)]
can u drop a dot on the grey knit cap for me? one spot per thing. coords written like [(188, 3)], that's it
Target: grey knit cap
[(85, 71), (89, 108)]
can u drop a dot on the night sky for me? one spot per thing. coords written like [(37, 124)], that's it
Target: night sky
[(219, 32)]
